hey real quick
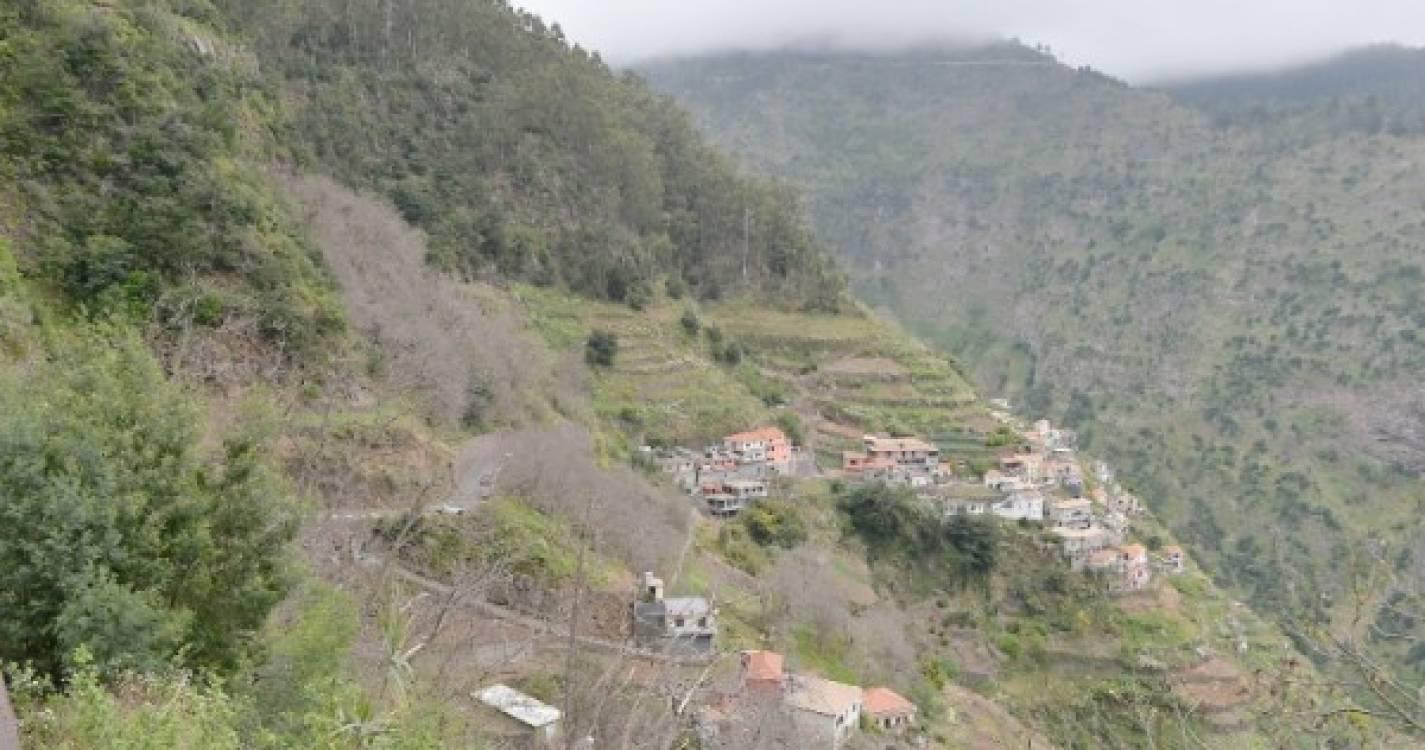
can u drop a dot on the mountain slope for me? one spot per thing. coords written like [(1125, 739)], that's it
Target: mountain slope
[(1229, 310), (525, 156), (1370, 90)]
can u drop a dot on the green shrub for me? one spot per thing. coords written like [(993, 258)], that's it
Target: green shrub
[(735, 544), (690, 322), (791, 424), (601, 349), (125, 536), (729, 353), (774, 523)]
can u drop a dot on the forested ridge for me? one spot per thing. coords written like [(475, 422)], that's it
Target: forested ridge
[(525, 155)]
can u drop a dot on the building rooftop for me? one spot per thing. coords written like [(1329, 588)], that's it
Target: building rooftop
[(821, 696), (522, 708), (762, 434), (763, 666), (1133, 550), (687, 606), (880, 444), (1102, 558), (1071, 533), (880, 701)]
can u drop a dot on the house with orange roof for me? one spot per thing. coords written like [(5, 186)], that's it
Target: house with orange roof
[(902, 451), (888, 709), (856, 462), (763, 672), (766, 445)]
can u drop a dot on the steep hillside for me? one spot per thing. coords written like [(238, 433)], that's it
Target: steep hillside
[(525, 156), (214, 378), (1228, 308)]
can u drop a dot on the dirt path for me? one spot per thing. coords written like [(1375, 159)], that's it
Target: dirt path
[(9, 726), (559, 632)]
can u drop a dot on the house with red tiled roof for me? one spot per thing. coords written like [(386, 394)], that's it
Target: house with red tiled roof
[(902, 451), (763, 671), (888, 709)]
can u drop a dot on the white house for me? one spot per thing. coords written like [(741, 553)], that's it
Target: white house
[(1073, 514), (1026, 505), (962, 507), (825, 712)]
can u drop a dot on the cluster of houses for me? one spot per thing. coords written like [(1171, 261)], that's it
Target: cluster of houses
[(897, 461), (817, 712), (731, 475), (1042, 481), (810, 711)]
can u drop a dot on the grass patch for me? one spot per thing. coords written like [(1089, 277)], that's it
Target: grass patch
[(823, 653)]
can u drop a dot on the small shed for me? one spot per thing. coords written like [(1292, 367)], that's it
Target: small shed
[(529, 717)]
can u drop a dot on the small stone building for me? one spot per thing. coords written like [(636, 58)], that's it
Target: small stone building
[(686, 625)]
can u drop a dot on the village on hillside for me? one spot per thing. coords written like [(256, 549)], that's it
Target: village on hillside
[(1038, 480)]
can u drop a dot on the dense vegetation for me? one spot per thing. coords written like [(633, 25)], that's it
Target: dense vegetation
[(123, 181), (526, 156), (124, 539), (1224, 298), (895, 526)]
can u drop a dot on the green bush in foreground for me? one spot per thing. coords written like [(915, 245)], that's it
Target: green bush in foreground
[(124, 536)]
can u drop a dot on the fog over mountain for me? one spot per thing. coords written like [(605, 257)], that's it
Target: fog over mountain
[(1138, 40)]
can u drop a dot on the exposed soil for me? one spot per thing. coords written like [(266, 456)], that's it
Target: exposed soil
[(981, 724)]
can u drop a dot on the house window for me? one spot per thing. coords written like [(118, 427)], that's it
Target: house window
[(678, 622), (702, 622)]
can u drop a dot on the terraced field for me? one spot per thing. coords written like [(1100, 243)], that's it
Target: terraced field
[(842, 375)]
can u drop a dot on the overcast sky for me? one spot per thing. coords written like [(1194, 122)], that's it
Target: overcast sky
[(1139, 40)]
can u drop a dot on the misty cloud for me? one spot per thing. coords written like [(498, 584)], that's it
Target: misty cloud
[(1140, 40)]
